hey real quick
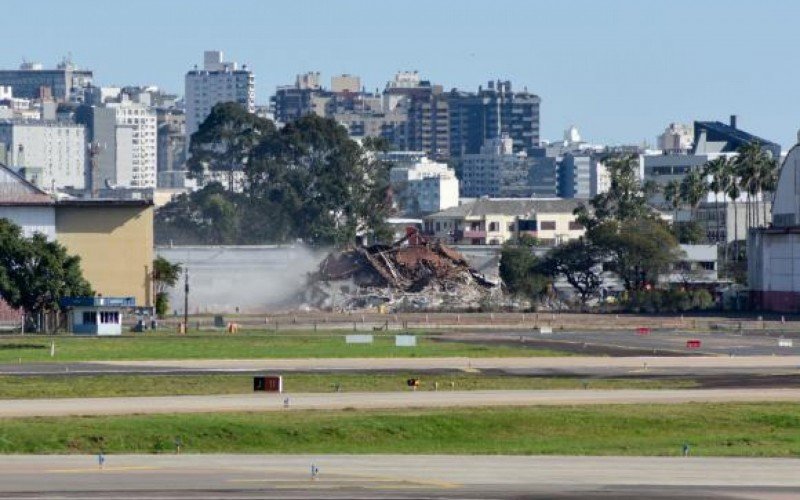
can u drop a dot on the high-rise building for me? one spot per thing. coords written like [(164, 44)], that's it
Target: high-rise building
[(49, 154), (490, 113), (171, 148), (496, 171), (123, 142), (32, 81), (218, 82)]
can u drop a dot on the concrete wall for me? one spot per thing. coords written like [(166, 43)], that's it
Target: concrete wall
[(115, 243), (32, 219), (254, 278), (773, 268)]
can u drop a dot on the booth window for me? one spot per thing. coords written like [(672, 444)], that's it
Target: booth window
[(109, 317), (89, 318)]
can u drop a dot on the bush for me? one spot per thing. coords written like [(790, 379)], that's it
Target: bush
[(162, 304)]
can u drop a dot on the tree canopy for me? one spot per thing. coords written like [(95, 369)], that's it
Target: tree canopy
[(35, 274), (306, 181)]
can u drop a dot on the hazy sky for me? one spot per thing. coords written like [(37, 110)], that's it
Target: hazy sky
[(619, 70)]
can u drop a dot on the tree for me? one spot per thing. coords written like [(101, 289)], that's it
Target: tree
[(225, 139), (580, 263), (211, 216), (731, 190), (717, 169), (753, 165), (625, 198), (693, 189), (672, 196), (317, 184), (35, 274), (165, 276), (519, 271), (638, 250), (689, 232)]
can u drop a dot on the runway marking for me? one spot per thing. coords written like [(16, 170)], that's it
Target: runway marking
[(104, 469), (409, 483)]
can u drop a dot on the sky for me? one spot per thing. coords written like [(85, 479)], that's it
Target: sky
[(619, 70)]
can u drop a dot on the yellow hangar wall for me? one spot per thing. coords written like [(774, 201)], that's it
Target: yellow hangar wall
[(114, 240)]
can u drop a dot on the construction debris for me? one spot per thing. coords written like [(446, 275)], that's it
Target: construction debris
[(411, 274)]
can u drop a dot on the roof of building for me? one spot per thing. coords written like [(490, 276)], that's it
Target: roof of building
[(15, 190), (735, 136), (510, 206)]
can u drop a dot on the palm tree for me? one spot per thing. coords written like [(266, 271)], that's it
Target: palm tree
[(672, 197), (733, 191), (716, 169), (769, 182), (693, 189), (750, 168)]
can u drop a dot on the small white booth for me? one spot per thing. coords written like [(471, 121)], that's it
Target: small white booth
[(96, 315)]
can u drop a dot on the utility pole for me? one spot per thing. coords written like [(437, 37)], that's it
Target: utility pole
[(186, 301)]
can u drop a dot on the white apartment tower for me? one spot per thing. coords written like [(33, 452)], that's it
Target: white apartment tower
[(48, 154), (217, 82), (137, 130)]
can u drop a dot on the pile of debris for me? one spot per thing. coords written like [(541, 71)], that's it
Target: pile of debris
[(411, 274)]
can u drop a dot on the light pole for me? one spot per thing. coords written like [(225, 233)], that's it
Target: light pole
[(186, 301)]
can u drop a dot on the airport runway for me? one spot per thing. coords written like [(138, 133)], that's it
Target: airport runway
[(600, 366), (395, 476), (13, 408)]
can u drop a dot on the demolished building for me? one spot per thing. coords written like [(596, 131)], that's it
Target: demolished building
[(411, 274)]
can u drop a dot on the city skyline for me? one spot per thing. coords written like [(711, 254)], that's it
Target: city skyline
[(674, 63)]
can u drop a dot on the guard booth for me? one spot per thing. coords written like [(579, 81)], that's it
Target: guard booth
[(96, 315)]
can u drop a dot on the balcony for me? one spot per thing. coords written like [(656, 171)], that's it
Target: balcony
[(474, 233)]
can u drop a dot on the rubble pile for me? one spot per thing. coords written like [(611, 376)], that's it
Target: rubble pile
[(421, 275)]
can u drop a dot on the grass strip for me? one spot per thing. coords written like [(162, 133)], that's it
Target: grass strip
[(13, 387), (753, 430), (251, 346)]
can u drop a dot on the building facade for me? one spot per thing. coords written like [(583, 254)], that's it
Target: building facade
[(496, 171), (218, 82), (422, 186), (171, 150), (49, 154), (32, 81), (488, 221)]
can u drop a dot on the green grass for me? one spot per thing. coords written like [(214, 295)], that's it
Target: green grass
[(239, 346), (710, 429), (12, 387)]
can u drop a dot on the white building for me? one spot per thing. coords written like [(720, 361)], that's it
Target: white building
[(496, 171), (217, 82), (49, 154), (136, 168), (421, 185), (25, 205), (676, 138)]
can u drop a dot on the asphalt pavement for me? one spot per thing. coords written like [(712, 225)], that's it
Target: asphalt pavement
[(395, 476), (261, 402)]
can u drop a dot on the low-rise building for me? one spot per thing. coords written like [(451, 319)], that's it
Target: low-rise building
[(422, 186), (493, 221)]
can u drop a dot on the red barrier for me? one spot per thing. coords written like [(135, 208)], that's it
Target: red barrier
[(643, 331), (693, 344)]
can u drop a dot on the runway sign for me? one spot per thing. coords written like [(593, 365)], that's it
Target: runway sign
[(643, 331), (405, 340), (358, 339), (693, 344), (543, 330), (268, 384), (785, 343)]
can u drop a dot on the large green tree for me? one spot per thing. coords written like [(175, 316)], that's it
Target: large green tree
[(519, 270), (317, 184), (35, 274), (224, 141), (580, 263), (638, 250), (210, 216)]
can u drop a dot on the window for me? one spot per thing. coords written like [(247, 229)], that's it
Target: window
[(438, 226), (707, 265), (547, 225), (511, 226), (575, 225), (493, 226), (89, 318)]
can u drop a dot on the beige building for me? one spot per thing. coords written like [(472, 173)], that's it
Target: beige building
[(114, 239), (493, 221)]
